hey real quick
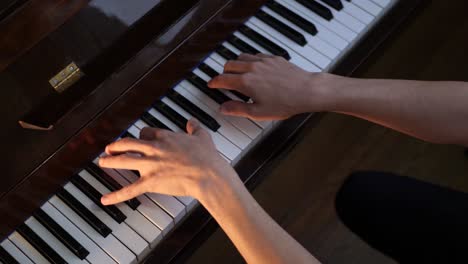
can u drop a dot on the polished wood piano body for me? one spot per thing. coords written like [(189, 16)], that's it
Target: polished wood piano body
[(127, 68)]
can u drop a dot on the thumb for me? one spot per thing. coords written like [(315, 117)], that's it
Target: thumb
[(126, 193), (237, 108)]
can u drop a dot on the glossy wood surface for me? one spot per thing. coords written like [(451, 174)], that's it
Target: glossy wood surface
[(88, 128), (35, 20), (116, 103)]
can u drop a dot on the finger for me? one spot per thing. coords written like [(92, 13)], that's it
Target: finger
[(248, 57), (124, 161), (237, 108), (126, 193), (227, 81), (130, 145), (265, 56), (150, 133), (193, 126), (237, 66)]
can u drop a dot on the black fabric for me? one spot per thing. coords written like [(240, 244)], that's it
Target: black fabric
[(408, 220)]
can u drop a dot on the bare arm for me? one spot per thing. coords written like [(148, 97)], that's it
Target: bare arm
[(432, 111), (189, 165)]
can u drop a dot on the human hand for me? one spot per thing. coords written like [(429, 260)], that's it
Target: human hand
[(278, 88), (169, 163)]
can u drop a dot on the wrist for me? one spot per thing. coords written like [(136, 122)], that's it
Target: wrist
[(219, 186), (326, 91)]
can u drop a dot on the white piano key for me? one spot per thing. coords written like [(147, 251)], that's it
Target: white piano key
[(113, 247), (232, 48), (168, 203), (382, 3), (188, 201), (96, 254), (156, 114), (21, 243), (346, 19), (306, 51), (140, 124), (227, 130), (368, 6), (53, 242), (215, 65), (170, 124), (244, 124), (202, 75), (218, 58), (135, 220), (15, 252), (357, 12), (134, 131), (122, 231), (333, 24), (313, 41), (295, 57), (222, 144), (152, 212), (324, 32)]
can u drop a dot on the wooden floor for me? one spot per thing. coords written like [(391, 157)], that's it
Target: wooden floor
[(300, 191)]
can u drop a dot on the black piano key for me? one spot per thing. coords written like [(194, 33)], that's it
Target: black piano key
[(226, 53), (264, 42), (242, 45), (282, 28), (214, 94), (241, 96), (6, 258), (208, 70), (40, 245), (212, 73), (172, 115), (61, 234), (84, 213), (110, 183), (317, 8), (153, 122), (294, 18), (137, 173), (95, 196), (194, 110), (336, 4)]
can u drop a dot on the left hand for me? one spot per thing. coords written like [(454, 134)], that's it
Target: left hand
[(169, 163)]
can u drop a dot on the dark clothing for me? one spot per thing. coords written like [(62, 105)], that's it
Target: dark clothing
[(408, 220)]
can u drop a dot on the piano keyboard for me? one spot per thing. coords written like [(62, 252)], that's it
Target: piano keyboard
[(73, 227)]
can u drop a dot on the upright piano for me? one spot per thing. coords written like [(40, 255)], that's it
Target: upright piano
[(76, 75)]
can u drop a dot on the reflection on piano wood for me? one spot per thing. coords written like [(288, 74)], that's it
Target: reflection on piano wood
[(64, 221)]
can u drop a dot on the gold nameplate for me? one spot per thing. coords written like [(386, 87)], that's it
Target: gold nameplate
[(66, 78)]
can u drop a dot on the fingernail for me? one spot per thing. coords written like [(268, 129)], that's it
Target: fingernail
[(104, 200)]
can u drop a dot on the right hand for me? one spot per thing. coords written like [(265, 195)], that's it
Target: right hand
[(278, 88)]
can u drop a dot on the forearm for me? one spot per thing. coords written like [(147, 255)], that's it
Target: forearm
[(433, 111), (255, 234)]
